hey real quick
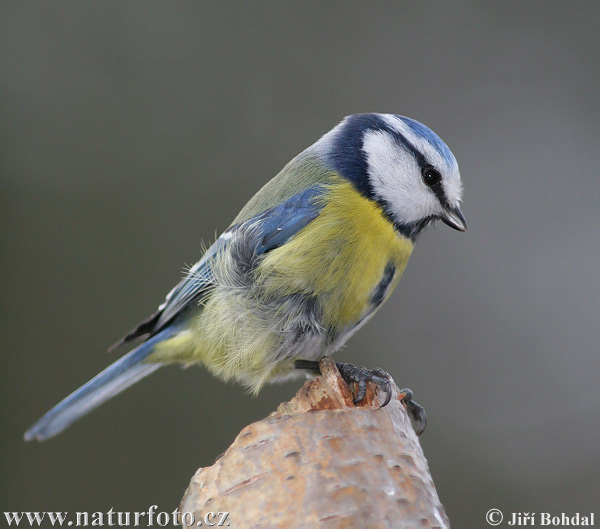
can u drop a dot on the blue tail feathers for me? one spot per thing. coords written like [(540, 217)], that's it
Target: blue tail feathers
[(106, 384)]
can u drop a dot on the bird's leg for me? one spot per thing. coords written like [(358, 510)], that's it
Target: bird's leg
[(361, 375), (307, 365)]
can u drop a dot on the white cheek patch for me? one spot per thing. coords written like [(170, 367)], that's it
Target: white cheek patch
[(448, 168), (396, 178)]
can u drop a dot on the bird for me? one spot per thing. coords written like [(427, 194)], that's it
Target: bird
[(306, 263)]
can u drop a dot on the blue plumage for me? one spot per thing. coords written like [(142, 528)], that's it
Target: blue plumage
[(426, 133), (280, 223), (348, 207), (114, 379)]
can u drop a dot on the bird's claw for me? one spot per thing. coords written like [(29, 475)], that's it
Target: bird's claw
[(415, 411), (362, 375)]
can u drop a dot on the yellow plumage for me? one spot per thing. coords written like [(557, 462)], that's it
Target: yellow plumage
[(307, 261), (340, 256), (338, 259)]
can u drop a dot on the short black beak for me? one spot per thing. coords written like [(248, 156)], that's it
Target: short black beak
[(454, 218)]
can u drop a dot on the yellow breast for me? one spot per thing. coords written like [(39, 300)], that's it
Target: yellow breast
[(339, 258)]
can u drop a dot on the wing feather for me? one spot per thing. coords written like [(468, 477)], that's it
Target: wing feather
[(272, 228)]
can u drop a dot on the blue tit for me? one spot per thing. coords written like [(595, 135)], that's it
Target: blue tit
[(307, 261)]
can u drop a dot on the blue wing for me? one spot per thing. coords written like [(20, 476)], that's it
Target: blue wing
[(271, 228), (260, 234), (279, 224)]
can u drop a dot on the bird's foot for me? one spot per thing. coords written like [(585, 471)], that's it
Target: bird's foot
[(361, 375), (415, 411)]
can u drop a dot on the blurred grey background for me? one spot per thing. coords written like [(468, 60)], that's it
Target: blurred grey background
[(131, 132)]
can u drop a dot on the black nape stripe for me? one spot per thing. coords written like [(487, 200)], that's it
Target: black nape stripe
[(347, 156)]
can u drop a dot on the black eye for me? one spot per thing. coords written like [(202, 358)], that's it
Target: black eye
[(431, 176)]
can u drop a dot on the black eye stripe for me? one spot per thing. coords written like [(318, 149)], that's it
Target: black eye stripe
[(433, 179)]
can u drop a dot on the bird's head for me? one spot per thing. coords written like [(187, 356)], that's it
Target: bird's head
[(402, 165)]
